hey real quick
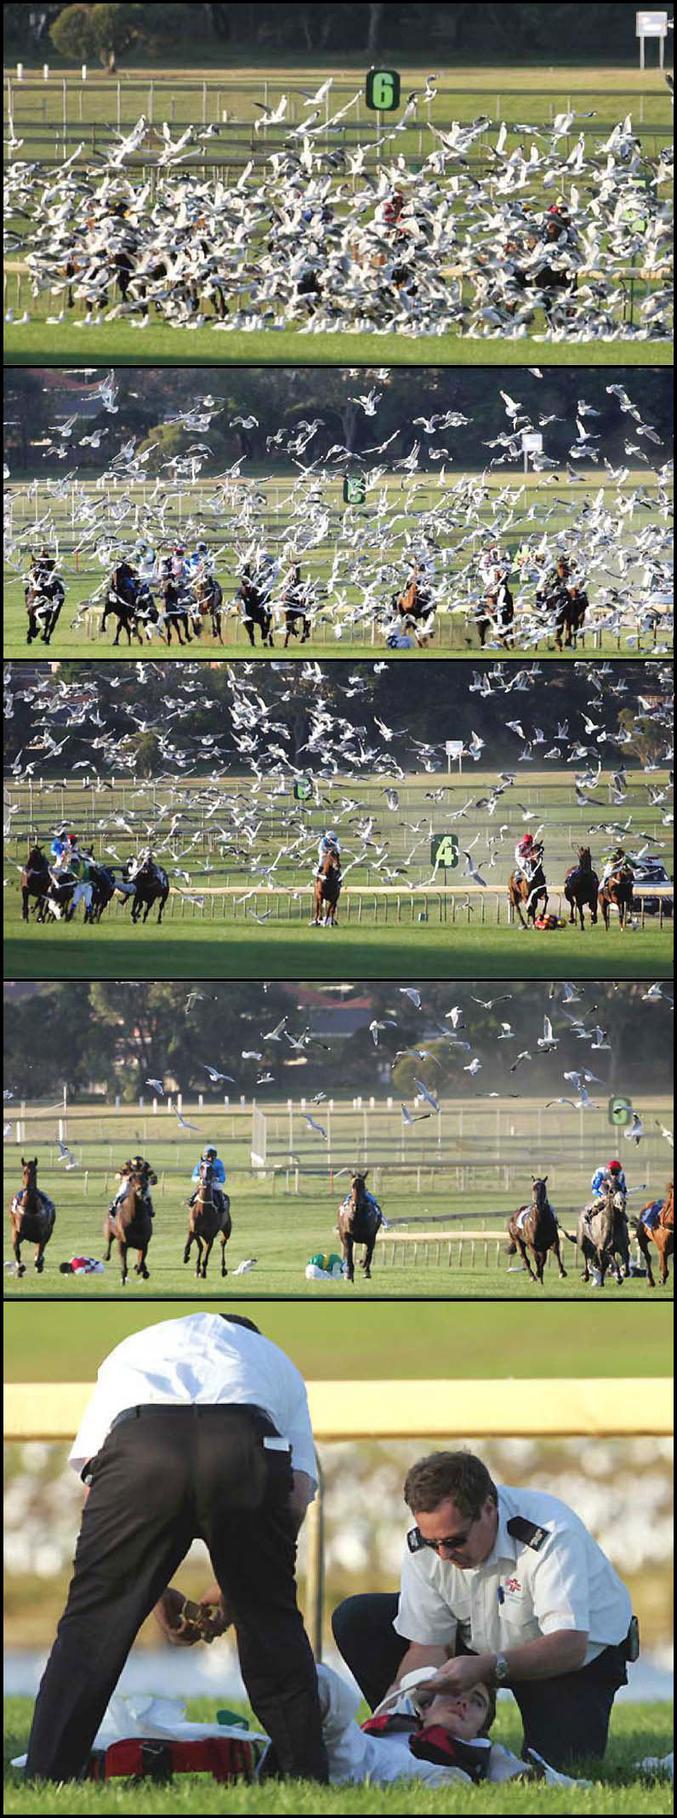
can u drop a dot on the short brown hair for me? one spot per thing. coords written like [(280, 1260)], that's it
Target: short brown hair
[(456, 1474)]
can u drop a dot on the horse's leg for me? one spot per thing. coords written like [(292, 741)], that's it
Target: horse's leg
[(198, 1266), (189, 1241), (349, 1256), (224, 1240), (558, 1254), (163, 900), (144, 1271), (144, 917), (540, 1259), (24, 903), (207, 1253), (20, 1267), (40, 1256), (662, 1241), (643, 1245), (122, 1246), (250, 633), (368, 1257), (524, 1255)]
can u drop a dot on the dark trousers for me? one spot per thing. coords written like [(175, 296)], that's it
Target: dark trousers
[(161, 1480), (564, 1718)]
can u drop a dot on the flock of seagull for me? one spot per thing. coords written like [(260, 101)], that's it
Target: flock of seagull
[(615, 530), (330, 237), (342, 745)]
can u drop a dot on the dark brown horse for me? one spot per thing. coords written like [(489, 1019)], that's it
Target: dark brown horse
[(150, 883), (581, 886), (617, 893), (602, 1237), (662, 1234), (535, 1228), (525, 894), (414, 603), (34, 879), (32, 1217), (130, 1222), (572, 608), (359, 1220), (327, 889), (208, 1219)]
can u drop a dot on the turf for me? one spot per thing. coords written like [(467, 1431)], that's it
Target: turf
[(447, 1342), (227, 950), (637, 1730), (161, 345)]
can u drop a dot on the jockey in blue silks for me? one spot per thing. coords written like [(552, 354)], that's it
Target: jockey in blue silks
[(329, 843), (612, 1172), (219, 1176)]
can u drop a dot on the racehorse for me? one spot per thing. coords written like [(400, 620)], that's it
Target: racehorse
[(359, 1220), (326, 890), (130, 1223), (44, 600), (255, 610), (57, 898), (295, 604), (121, 598), (581, 886), (178, 611), (208, 595), (150, 882), (207, 1220), (662, 1234), (415, 603), (602, 1236), (104, 885), (617, 892), (34, 879), (535, 1228), (570, 607), (32, 1217), (522, 891)]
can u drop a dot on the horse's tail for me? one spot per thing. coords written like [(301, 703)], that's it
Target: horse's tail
[(511, 1248), (568, 1235)]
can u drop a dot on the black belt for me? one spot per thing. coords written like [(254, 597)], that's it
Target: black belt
[(196, 1409)]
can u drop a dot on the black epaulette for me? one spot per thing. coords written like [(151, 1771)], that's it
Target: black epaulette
[(415, 1541), (528, 1531)]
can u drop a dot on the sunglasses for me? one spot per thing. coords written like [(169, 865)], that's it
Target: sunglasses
[(451, 1542)]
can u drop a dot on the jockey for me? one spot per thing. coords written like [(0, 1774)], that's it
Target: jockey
[(200, 563), (133, 1166), (219, 1176), (329, 843), (494, 567), (146, 561), (526, 857), (613, 1173), (41, 569), (617, 859), (178, 565), (62, 847), (81, 867)]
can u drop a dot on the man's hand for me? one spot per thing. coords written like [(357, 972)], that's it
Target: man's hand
[(461, 1673), (183, 1622)]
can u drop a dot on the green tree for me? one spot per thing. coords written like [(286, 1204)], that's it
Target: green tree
[(73, 34)]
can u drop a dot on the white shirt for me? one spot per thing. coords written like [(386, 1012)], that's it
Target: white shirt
[(519, 1592), (204, 1359)]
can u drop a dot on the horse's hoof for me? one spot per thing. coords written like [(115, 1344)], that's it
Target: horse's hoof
[(21, 1269), (39, 1266)]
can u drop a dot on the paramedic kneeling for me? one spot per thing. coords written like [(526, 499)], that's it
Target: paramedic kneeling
[(505, 1586)]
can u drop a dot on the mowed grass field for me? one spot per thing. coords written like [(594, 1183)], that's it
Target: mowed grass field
[(637, 1730), (212, 510), (224, 950), (503, 93), (467, 1171)]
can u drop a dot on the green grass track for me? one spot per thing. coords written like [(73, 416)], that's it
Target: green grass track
[(160, 345), (105, 951)]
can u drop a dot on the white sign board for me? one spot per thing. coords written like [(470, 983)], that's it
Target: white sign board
[(454, 748), (651, 25), (532, 441)]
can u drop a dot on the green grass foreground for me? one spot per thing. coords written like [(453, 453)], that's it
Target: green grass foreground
[(637, 1730), (230, 949), (161, 345), (563, 1341)]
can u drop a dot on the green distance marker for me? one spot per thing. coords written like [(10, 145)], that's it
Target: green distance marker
[(354, 489), (383, 90), (303, 787), (444, 851), (619, 1110)]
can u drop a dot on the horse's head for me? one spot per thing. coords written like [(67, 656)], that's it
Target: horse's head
[(30, 1169), (206, 1172), (358, 1187), (36, 856), (539, 1191), (585, 858)]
